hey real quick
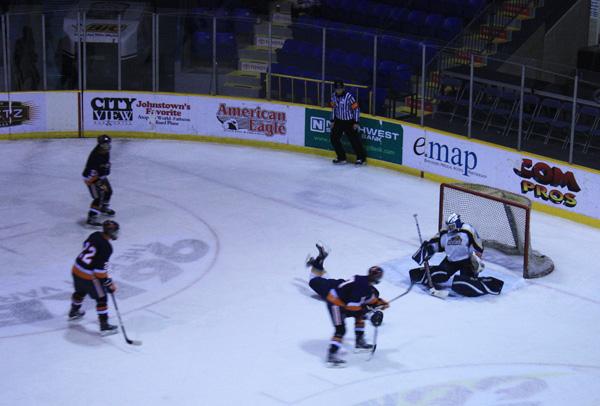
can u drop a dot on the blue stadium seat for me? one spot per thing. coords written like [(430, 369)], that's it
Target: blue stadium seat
[(451, 27), (415, 21), (201, 46), (226, 48), (432, 25), (399, 17), (422, 5), (472, 7), (243, 21)]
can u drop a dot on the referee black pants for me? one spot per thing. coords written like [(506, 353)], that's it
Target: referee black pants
[(346, 126)]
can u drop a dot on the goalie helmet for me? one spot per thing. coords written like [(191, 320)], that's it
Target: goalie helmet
[(375, 274), (104, 141), (454, 222), (111, 229)]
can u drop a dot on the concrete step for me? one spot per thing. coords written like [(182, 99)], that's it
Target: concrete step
[(279, 31), (262, 41), (253, 65), (257, 54), (231, 89), (243, 78)]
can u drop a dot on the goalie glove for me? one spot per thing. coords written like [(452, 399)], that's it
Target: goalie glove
[(424, 253), (478, 265)]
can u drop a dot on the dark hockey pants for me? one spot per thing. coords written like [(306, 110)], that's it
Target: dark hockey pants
[(101, 192), (95, 290), (346, 126)]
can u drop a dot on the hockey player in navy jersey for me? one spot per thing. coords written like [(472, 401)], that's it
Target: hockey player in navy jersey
[(95, 176), (91, 275), (346, 298), (464, 249)]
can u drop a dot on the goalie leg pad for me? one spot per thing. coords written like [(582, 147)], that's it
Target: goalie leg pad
[(473, 287), (438, 275), (417, 275)]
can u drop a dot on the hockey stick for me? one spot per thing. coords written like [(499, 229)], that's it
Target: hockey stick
[(374, 344), (442, 294), (127, 339), (403, 293)]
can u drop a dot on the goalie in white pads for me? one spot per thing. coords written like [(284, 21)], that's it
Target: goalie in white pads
[(463, 248)]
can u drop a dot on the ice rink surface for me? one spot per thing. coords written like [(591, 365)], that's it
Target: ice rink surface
[(210, 268)]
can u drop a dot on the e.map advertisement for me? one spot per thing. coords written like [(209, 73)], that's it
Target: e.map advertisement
[(541, 180), (194, 115)]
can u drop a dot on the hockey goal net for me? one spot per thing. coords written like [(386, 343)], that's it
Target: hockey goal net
[(501, 218)]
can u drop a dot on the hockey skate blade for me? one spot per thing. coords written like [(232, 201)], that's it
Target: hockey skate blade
[(75, 319), (334, 365), (107, 333), (362, 350), (372, 354)]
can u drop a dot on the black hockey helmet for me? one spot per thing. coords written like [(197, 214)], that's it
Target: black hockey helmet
[(104, 142), (375, 274), (111, 229), (338, 84)]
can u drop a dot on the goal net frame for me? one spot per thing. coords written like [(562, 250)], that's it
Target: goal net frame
[(535, 265)]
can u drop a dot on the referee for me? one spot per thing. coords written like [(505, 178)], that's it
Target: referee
[(344, 119)]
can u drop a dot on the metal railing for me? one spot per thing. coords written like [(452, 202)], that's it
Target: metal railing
[(312, 96), (393, 75)]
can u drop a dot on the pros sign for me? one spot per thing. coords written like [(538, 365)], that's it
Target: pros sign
[(547, 183)]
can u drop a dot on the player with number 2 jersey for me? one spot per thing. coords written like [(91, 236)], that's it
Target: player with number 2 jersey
[(91, 275)]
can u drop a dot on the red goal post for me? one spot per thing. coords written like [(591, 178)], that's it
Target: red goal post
[(502, 220)]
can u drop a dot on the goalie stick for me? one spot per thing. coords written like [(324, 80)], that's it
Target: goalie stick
[(127, 339), (441, 294)]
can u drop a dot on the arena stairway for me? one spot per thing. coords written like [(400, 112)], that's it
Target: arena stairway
[(254, 58), (484, 36)]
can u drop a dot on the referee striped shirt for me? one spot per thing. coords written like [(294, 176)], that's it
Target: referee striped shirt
[(344, 107)]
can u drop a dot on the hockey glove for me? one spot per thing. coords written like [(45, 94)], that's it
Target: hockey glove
[(477, 263), (377, 318), (381, 304), (101, 184), (109, 285), (424, 253)]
